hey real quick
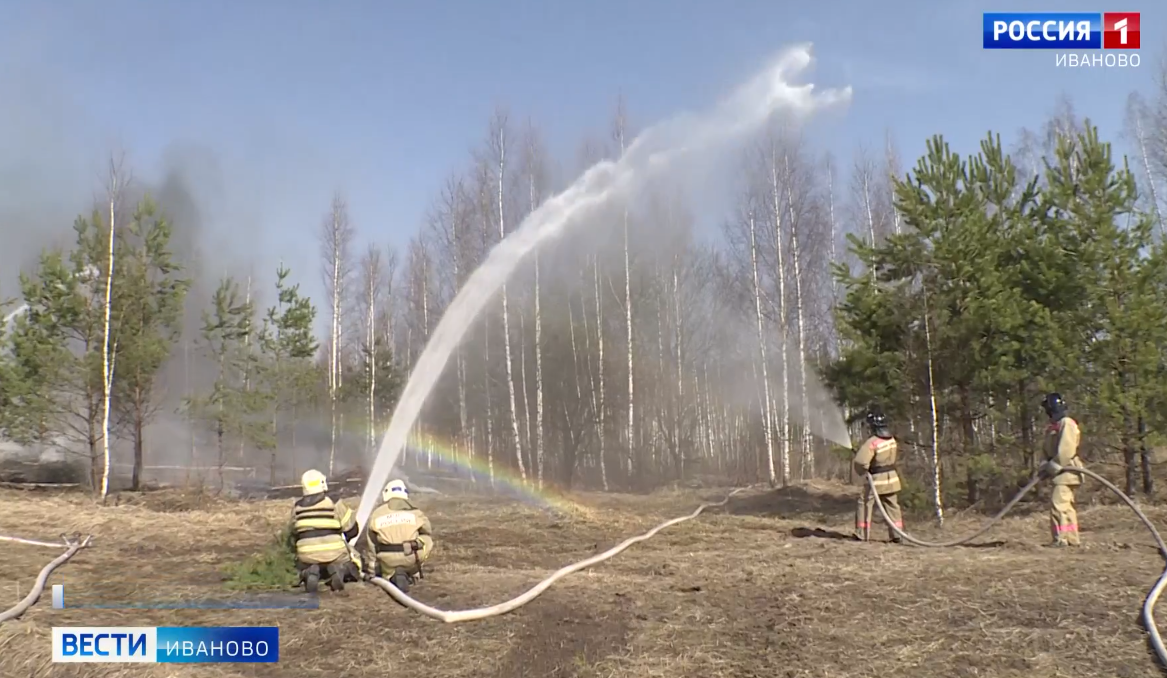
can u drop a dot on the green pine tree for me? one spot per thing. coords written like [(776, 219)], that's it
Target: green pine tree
[(150, 295), (1119, 323), (229, 410), (288, 347), (57, 347)]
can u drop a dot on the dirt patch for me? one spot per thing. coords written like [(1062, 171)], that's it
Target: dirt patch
[(794, 500), (561, 637)]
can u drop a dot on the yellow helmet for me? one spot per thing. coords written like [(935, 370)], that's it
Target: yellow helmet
[(313, 482), (396, 489)]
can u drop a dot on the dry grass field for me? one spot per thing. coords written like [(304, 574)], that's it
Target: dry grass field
[(763, 587)]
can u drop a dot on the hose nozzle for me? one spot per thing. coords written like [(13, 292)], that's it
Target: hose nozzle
[(1049, 469)]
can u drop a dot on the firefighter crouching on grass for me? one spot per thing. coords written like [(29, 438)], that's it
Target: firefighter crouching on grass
[(400, 536), (1061, 447), (322, 528), (877, 456)]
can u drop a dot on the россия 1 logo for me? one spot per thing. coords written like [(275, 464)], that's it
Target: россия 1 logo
[(1077, 36)]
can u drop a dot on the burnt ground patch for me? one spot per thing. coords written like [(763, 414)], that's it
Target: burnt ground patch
[(566, 636)]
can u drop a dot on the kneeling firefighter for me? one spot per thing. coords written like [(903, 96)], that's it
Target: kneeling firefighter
[(1061, 447), (877, 456), (322, 528), (400, 536)]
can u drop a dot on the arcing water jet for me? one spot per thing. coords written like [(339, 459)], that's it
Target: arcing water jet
[(656, 149)]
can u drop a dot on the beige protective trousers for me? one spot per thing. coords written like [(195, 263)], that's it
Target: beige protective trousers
[(1063, 516), (865, 510)]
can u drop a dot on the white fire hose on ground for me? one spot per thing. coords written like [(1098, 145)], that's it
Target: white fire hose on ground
[(1051, 469), (71, 544), (534, 591)]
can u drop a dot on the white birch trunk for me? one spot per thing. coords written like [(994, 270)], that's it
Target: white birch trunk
[(1145, 156), (799, 307), (107, 359), (628, 325), (506, 331), (937, 499), (833, 249), (539, 353), (334, 352), (371, 339), (598, 403), (780, 266), (523, 392), (539, 375), (767, 413)]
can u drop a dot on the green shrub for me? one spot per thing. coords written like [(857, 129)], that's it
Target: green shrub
[(272, 568), (914, 496)]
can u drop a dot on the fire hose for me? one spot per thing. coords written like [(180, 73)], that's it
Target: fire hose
[(72, 546), (534, 592), (1049, 470)]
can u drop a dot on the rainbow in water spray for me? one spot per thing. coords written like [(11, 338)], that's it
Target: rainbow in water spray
[(446, 453), (659, 148)]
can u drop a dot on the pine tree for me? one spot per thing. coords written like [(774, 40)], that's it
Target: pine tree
[(57, 348), (288, 348), (228, 410), (1122, 324), (149, 297)]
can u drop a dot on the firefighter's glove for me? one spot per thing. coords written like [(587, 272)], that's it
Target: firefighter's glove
[(1049, 469)]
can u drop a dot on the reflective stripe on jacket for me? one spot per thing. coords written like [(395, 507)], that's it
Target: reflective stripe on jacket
[(321, 527)]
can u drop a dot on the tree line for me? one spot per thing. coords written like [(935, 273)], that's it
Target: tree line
[(675, 349)]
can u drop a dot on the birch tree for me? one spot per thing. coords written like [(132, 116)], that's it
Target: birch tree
[(114, 189), (372, 283), (499, 146), (864, 178), (619, 134), (1137, 116), (799, 201), (535, 170), (451, 226), (336, 236), (777, 215)]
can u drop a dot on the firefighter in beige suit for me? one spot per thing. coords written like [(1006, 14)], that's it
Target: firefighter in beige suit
[(400, 536), (1061, 447), (877, 456), (322, 527)]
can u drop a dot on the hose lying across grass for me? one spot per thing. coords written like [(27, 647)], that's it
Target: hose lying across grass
[(533, 592), (72, 546), (1051, 470)]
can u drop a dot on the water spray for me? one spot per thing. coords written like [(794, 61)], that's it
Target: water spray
[(658, 148)]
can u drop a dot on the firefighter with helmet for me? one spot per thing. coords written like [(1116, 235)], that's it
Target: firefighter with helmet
[(400, 536), (877, 456), (1061, 448), (322, 527)]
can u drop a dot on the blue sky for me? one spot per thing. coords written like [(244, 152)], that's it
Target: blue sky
[(292, 99)]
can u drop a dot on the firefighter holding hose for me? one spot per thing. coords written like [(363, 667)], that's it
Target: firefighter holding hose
[(1061, 447), (400, 536), (877, 456), (322, 527)]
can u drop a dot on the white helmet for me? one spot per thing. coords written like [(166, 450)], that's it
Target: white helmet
[(396, 489), (313, 482)]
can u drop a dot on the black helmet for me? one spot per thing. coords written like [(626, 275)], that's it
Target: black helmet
[(876, 419), (1054, 405)]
